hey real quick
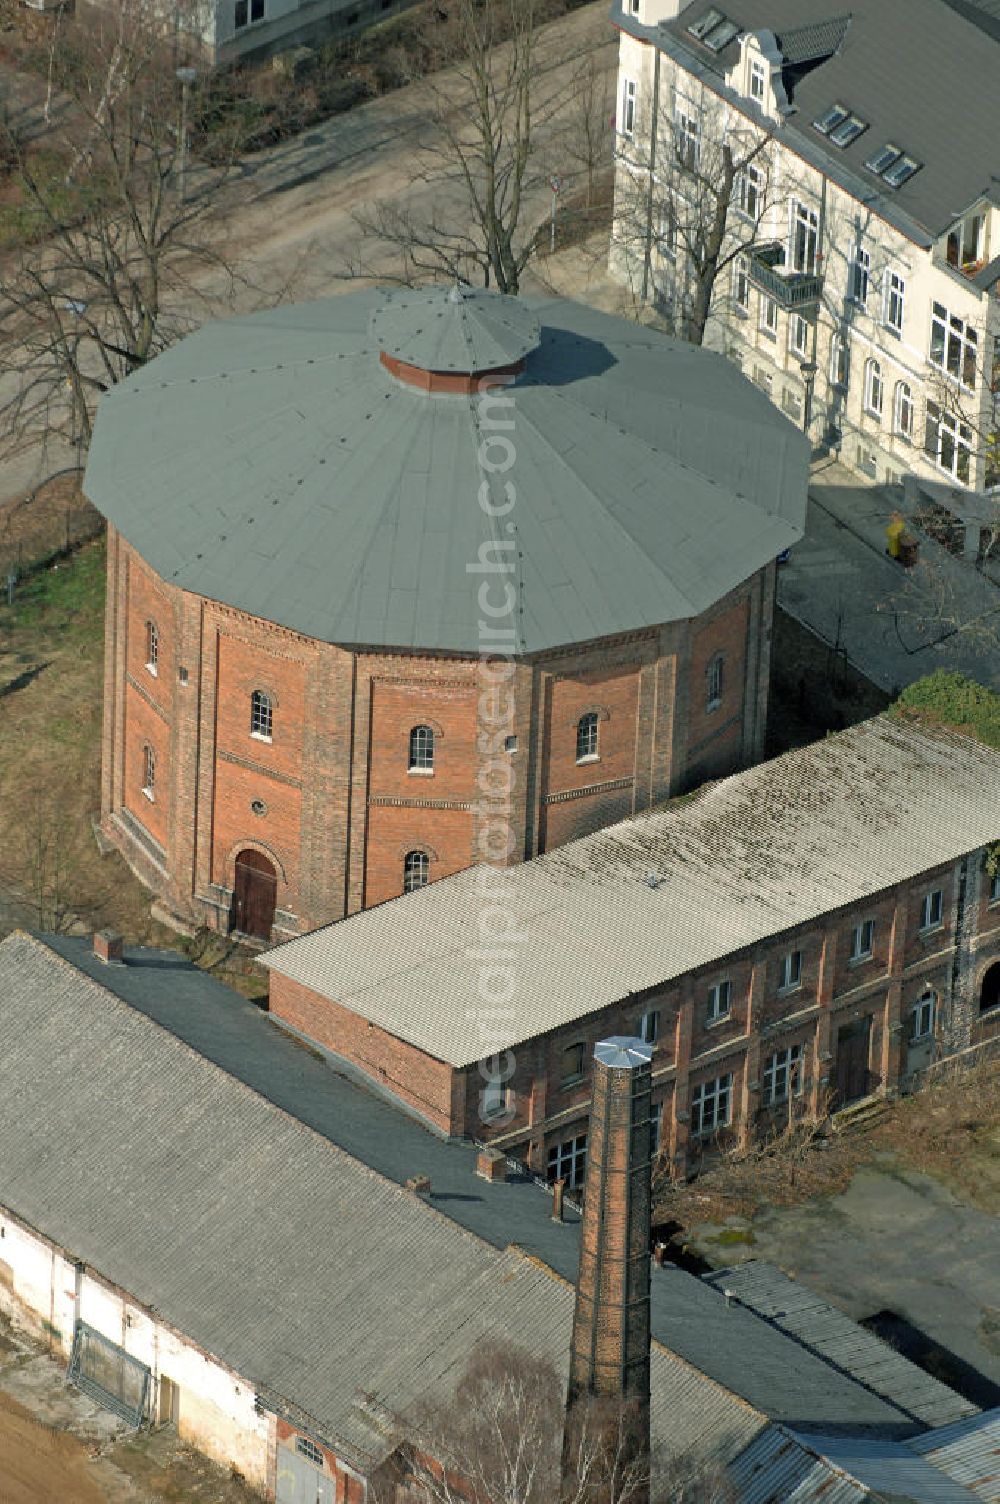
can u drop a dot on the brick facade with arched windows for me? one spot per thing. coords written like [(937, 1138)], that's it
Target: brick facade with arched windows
[(330, 796)]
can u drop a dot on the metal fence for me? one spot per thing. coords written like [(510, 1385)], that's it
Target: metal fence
[(108, 1374)]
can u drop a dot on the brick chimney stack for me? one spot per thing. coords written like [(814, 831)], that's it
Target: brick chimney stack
[(609, 1360)]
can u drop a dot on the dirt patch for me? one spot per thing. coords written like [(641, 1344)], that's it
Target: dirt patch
[(41, 525), (42, 1466)]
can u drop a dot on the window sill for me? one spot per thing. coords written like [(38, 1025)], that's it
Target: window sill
[(771, 334), (870, 412), (789, 989), (741, 312), (720, 1018), (860, 960), (258, 736), (713, 705), (584, 761), (569, 1081), (420, 772), (891, 329), (148, 794), (153, 670)]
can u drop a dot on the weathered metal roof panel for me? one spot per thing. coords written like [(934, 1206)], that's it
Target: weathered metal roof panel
[(969, 1451)]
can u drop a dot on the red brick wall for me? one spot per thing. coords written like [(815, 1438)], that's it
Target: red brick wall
[(417, 1079), (613, 693), (143, 726), (714, 737), (451, 714), (445, 834), (350, 1489)]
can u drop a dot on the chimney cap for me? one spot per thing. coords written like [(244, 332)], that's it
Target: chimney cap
[(623, 1052)]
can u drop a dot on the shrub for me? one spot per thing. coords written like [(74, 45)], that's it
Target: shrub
[(950, 699)]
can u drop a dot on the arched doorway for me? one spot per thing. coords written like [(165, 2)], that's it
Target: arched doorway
[(989, 994), (254, 895)]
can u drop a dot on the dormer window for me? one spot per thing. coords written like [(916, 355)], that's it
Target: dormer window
[(965, 242), (758, 81), (699, 29), (714, 30)]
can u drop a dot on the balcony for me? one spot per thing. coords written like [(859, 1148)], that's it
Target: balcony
[(789, 289)]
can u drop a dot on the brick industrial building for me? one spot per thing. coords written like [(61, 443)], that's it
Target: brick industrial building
[(803, 934), (306, 509)]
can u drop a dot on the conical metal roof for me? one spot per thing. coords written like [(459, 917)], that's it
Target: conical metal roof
[(464, 329)]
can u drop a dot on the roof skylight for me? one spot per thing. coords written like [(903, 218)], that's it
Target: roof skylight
[(705, 23), (849, 130), (834, 116), (720, 36), (880, 160), (900, 171)]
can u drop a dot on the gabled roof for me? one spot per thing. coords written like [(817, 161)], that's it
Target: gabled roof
[(271, 462), (812, 1468), (900, 65), (641, 903), (818, 39)]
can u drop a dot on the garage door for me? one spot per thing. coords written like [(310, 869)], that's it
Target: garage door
[(301, 1479)]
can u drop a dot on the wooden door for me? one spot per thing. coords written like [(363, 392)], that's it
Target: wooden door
[(853, 1076), (254, 895)]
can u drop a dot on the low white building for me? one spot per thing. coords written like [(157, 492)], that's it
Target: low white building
[(859, 259)]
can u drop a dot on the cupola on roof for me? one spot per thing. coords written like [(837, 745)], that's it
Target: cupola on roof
[(275, 463), (460, 328)]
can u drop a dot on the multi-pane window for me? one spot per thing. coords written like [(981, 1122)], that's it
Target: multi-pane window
[(922, 1016), (586, 736), (152, 646), (798, 334), (931, 909), (895, 293), (804, 238), (964, 246), (790, 970), (741, 283), (247, 11), (954, 346), (628, 107), (757, 80), (862, 936), (261, 715), (494, 1098), (720, 999), (149, 772), (421, 750), (307, 1448), (649, 1027), (782, 1075), (416, 871), (995, 888), (768, 316), (667, 228), (750, 191), (903, 410), (574, 1059), (713, 683), (861, 267), (839, 364), (655, 1128), (568, 1160), (874, 388), (687, 137), (949, 442), (711, 1104)]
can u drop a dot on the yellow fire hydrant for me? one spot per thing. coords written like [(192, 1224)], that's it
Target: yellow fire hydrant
[(893, 534)]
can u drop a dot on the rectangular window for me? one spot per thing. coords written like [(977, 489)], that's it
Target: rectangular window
[(922, 1017), (995, 888), (649, 1027), (782, 1075), (848, 130), (757, 80), (834, 116), (954, 346), (839, 362), (931, 910), (804, 237), (667, 229), (242, 13), (568, 1161), (798, 334), (949, 442), (861, 939), (152, 647), (494, 1098), (965, 242), (883, 158), (573, 1061), (895, 292), (741, 284), (628, 107), (711, 1104), (687, 137), (861, 267), (750, 192), (655, 1128), (720, 997), (790, 971), (768, 317)]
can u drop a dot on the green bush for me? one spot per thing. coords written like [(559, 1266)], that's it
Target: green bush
[(951, 699)]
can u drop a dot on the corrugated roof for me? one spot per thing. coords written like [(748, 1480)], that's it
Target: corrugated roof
[(782, 1467), (454, 329), (969, 1451), (889, 1469), (901, 65), (272, 463), (796, 1309), (293, 1263), (645, 901)]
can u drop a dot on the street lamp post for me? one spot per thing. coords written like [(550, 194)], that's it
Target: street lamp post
[(808, 369), (555, 183), (185, 77)]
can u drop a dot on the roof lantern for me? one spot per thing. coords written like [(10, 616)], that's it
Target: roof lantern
[(459, 330)]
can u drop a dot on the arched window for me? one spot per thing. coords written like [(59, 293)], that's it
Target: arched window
[(873, 387), (422, 750), (903, 410), (149, 772), (839, 362), (416, 871), (152, 646), (261, 715), (586, 736), (713, 683)]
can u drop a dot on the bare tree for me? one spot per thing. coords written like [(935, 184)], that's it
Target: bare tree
[(499, 1441), (586, 139), (492, 120), (115, 249), (690, 199)]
